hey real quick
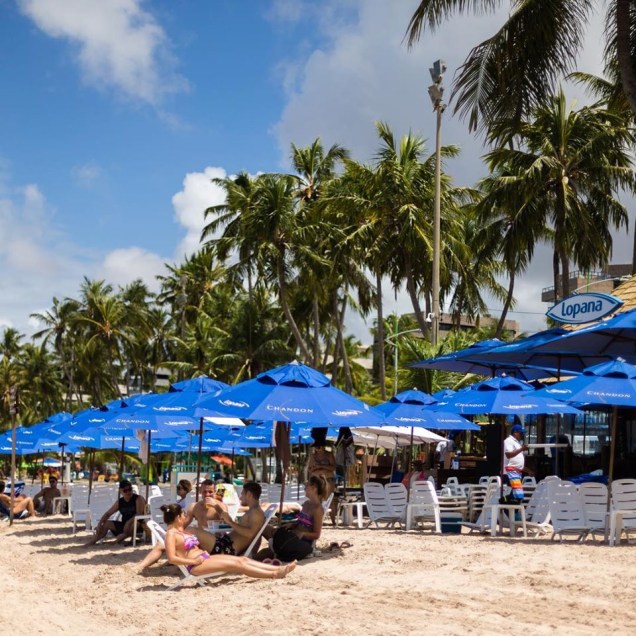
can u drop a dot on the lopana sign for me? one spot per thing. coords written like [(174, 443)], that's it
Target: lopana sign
[(581, 308)]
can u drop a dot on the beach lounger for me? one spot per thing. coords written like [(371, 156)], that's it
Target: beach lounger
[(483, 522), (594, 496), (623, 508), (423, 506), (159, 534), (378, 506), (538, 509), (566, 511)]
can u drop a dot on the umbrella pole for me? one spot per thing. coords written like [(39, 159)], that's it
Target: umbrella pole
[(62, 453), (149, 471), (556, 450), (13, 434), (287, 428), (375, 449), (121, 458), (300, 458), (610, 471), (90, 475), (232, 470), (199, 457), (408, 486), (41, 455)]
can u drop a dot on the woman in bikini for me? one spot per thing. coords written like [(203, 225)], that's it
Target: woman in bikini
[(183, 548), (296, 541)]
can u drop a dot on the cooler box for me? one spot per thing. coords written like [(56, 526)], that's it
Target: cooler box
[(450, 522)]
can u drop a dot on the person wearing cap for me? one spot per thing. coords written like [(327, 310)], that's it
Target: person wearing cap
[(514, 460)]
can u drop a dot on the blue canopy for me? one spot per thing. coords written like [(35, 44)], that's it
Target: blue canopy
[(503, 396), (292, 393), (472, 359), (407, 409), (200, 384)]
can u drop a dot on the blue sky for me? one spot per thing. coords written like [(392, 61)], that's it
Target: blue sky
[(115, 114)]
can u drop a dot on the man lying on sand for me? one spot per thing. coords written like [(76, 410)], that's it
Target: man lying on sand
[(233, 543)]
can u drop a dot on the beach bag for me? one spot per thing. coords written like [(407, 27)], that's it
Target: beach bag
[(289, 547)]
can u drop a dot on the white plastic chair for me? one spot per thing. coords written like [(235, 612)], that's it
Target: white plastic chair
[(483, 522), (380, 511), (623, 500), (538, 509), (423, 505), (566, 511), (594, 497), (397, 495)]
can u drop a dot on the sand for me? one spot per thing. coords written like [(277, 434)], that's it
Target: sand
[(388, 582)]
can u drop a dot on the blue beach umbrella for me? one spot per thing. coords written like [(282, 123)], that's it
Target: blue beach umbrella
[(503, 396), (292, 393), (200, 384), (472, 359), (606, 384), (551, 348), (176, 411), (407, 409)]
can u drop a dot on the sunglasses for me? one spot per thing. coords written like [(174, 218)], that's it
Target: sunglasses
[(124, 490)]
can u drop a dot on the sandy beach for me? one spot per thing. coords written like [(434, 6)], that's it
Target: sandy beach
[(388, 582)]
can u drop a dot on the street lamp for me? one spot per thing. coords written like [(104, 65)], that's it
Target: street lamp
[(396, 354), (436, 93)]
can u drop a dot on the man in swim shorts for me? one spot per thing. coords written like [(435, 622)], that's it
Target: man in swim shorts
[(243, 531)]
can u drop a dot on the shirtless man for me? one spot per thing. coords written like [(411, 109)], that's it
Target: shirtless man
[(43, 501), (243, 531), (208, 508)]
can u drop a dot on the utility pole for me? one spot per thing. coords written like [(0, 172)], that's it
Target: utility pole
[(14, 409), (436, 93)]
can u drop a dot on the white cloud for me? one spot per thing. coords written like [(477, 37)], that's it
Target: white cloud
[(86, 175), (125, 265), (118, 45), (198, 194), (36, 259), (364, 73)]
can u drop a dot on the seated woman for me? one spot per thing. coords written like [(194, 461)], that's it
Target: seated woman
[(183, 488), (129, 505), (295, 541), (22, 506), (183, 548)]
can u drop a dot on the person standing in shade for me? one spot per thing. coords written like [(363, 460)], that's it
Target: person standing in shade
[(514, 461), (344, 452)]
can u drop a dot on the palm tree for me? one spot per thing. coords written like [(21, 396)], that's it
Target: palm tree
[(569, 168), (475, 266), (510, 226), (509, 74), (60, 331), (40, 379), (315, 170)]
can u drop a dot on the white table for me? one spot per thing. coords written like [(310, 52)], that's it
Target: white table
[(57, 501), (614, 517), (349, 507), (497, 511)]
